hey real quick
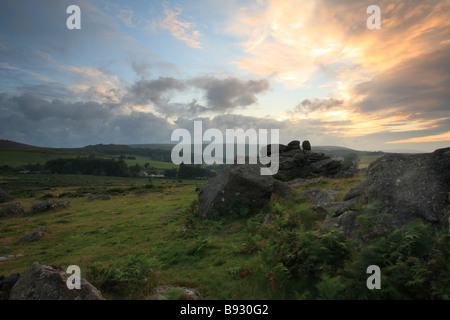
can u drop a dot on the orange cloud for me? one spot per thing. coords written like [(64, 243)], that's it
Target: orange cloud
[(433, 138), (291, 39)]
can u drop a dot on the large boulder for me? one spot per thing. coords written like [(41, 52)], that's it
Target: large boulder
[(12, 209), (324, 203), (171, 292), (306, 145), (326, 167), (293, 145), (48, 205), (5, 197), (346, 221), (407, 187), (6, 284), (43, 282), (239, 189)]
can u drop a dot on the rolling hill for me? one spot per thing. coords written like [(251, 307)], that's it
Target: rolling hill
[(17, 154)]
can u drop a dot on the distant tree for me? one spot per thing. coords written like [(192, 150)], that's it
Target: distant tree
[(170, 173), (351, 160), (188, 171), (109, 167)]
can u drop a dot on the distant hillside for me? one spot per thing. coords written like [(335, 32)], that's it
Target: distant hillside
[(7, 145), (14, 153), (333, 151), (338, 152), (161, 146), (117, 150), (18, 154)]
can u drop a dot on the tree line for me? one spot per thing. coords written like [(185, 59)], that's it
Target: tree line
[(109, 167)]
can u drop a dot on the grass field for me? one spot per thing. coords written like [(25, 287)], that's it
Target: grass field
[(148, 233), (366, 160), (17, 158), (153, 223), (155, 164)]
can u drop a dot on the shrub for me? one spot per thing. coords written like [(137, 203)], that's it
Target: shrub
[(136, 275)]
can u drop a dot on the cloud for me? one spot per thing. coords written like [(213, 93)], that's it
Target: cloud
[(230, 93), (418, 85), (141, 68), (153, 92), (57, 123), (219, 95), (310, 105), (5, 65), (433, 138), (290, 40), (179, 28), (127, 16)]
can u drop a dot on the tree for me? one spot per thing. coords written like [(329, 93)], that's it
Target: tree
[(170, 173), (351, 160)]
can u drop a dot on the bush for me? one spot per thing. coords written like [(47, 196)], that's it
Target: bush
[(135, 276), (413, 262), (318, 263)]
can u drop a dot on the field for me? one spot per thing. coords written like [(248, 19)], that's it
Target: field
[(366, 160), (138, 222), (147, 233), (16, 158)]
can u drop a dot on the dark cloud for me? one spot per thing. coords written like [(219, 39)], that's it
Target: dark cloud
[(48, 91), (310, 105), (419, 85), (144, 92), (221, 95), (56, 123), (195, 109), (227, 94)]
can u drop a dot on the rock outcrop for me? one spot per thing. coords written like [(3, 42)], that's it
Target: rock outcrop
[(405, 187), (12, 209), (43, 282), (298, 163), (5, 197), (34, 236), (48, 205), (171, 292), (239, 189), (6, 284), (323, 202)]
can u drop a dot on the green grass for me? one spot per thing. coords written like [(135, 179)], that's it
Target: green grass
[(366, 160), (139, 221), (147, 236), (155, 164), (21, 158)]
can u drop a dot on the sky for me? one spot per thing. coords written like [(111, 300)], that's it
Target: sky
[(137, 70)]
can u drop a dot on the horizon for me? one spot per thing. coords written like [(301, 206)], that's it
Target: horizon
[(135, 72), (205, 144)]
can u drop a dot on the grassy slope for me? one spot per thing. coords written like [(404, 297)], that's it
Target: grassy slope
[(208, 256), (366, 160), (17, 158)]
